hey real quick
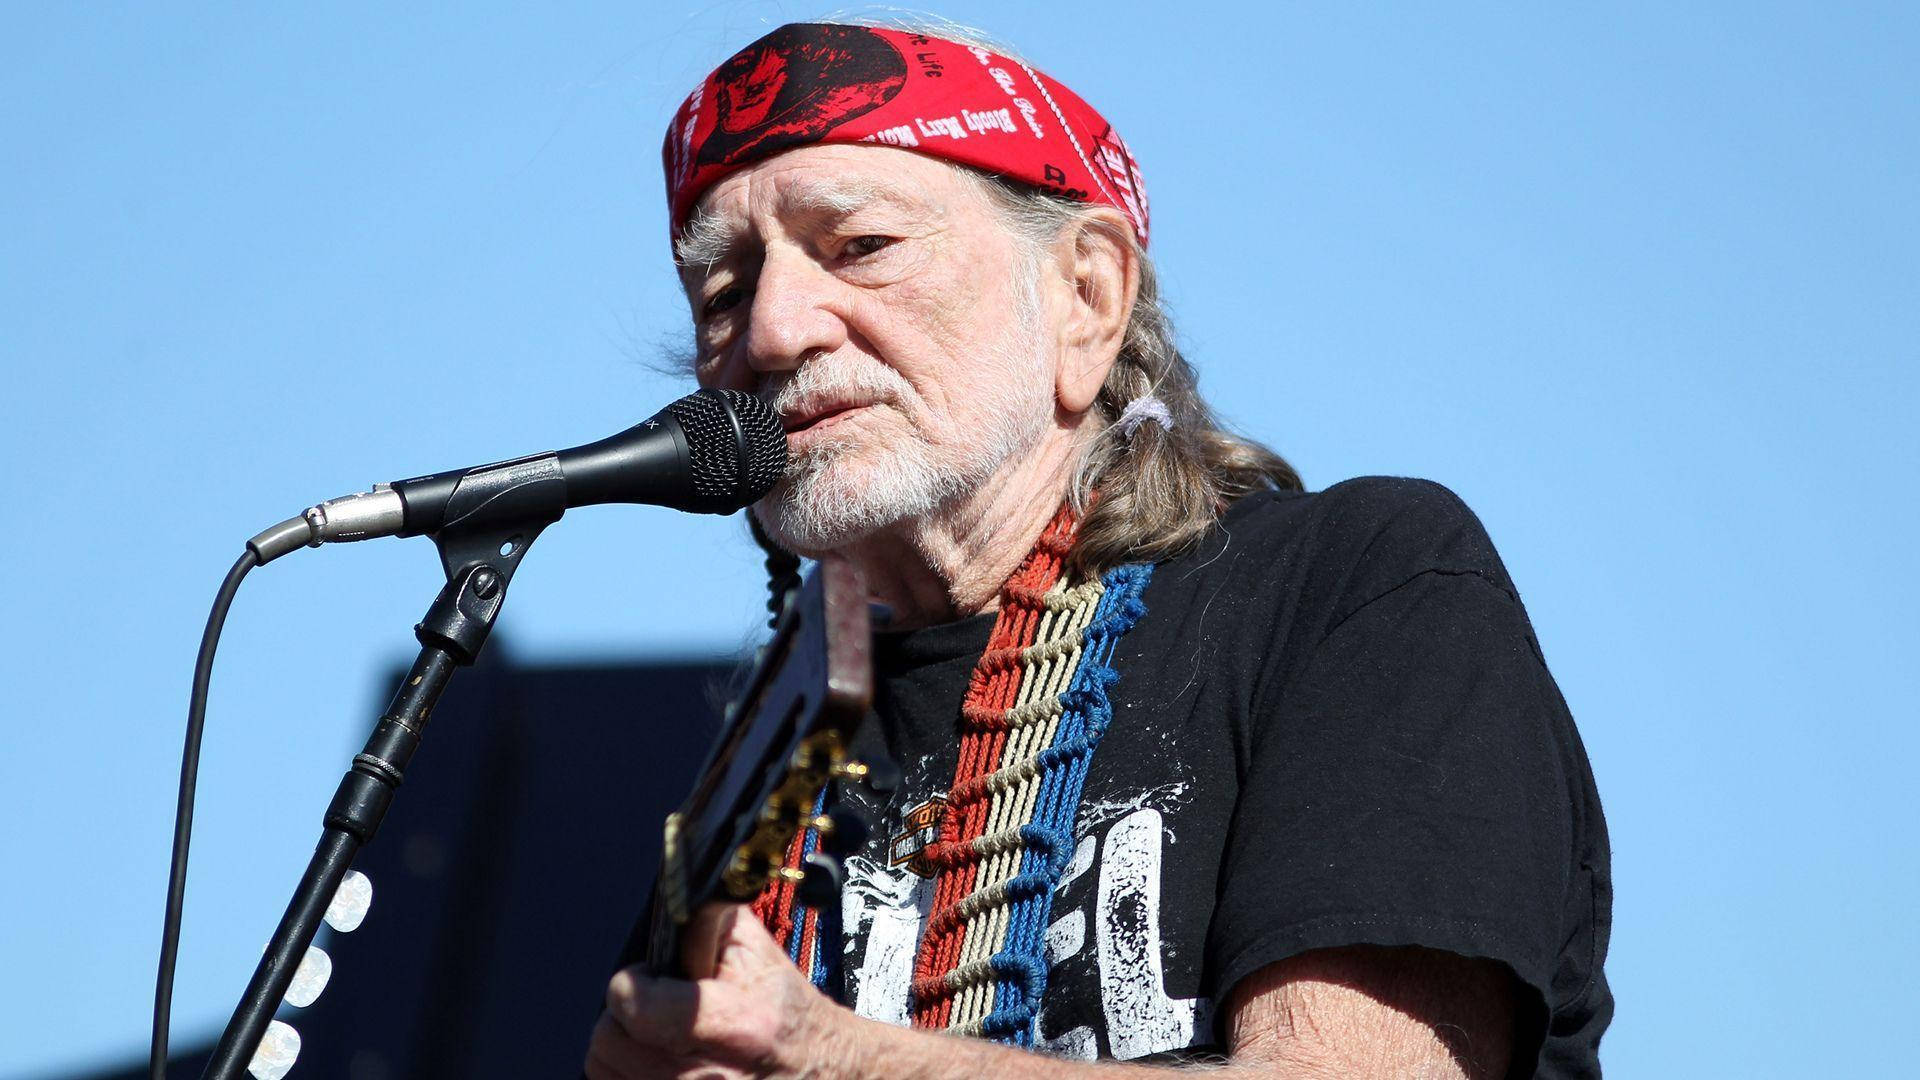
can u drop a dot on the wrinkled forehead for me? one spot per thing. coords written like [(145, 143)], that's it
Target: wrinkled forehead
[(821, 185)]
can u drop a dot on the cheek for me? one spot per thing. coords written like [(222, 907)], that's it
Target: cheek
[(943, 334), (724, 370), (723, 376)]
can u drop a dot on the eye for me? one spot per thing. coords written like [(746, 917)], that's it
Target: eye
[(723, 301), (862, 246)]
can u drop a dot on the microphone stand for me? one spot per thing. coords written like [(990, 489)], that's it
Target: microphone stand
[(479, 560)]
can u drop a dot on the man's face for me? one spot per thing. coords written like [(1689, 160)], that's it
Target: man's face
[(874, 298)]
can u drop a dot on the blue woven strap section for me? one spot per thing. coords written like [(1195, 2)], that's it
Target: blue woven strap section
[(813, 965), (1020, 975), (826, 951)]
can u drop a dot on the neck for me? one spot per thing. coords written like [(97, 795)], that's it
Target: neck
[(951, 563)]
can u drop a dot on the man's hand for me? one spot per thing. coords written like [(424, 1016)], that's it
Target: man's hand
[(747, 1012), (744, 1011)]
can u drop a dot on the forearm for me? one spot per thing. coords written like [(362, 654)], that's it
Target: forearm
[(1356, 1012), (857, 1049), (1359, 1012)]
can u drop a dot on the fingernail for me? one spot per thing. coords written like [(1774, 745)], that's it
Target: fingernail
[(622, 990)]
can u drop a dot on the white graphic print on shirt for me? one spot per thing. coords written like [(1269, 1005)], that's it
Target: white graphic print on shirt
[(884, 909)]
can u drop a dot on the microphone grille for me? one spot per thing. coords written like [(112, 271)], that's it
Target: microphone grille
[(731, 465)]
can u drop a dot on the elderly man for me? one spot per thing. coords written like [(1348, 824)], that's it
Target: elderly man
[(1198, 767)]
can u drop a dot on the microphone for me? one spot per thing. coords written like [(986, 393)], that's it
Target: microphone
[(711, 452)]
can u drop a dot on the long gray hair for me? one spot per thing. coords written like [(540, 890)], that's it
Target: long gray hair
[(1148, 492)]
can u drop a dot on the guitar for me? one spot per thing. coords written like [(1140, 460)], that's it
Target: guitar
[(782, 742)]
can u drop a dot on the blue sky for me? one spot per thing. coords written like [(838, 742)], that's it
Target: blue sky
[(1639, 282)]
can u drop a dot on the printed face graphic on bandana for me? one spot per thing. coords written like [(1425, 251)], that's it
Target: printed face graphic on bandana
[(796, 84)]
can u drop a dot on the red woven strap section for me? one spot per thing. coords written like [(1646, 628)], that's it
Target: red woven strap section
[(991, 691), (774, 906)]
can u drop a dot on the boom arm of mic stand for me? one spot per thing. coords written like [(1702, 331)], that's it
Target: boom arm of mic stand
[(479, 564)]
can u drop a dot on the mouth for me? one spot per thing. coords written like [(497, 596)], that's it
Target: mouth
[(822, 416)]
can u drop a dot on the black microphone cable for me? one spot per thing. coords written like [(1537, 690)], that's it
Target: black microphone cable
[(183, 814), (713, 451)]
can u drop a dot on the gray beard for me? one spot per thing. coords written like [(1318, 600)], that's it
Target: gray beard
[(845, 488)]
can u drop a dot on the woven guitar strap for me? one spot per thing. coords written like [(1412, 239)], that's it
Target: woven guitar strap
[(1035, 710)]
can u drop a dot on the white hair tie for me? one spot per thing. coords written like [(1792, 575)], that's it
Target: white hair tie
[(1142, 409)]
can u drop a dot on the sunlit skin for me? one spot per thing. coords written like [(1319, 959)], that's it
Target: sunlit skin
[(747, 1012), (918, 278)]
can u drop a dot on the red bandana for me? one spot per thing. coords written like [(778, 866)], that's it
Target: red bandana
[(826, 83)]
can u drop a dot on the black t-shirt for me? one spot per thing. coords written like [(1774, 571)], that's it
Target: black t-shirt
[(1333, 726)]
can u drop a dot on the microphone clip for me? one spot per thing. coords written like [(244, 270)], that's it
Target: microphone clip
[(479, 562), (495, 515)]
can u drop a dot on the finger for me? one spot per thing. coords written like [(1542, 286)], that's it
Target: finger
[(613, 1055), (656, 1013), (707, 936), (744, 932)]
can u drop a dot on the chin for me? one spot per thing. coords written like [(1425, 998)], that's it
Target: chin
[(827, 503)]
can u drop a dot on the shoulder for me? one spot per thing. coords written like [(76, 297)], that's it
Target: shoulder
[(1305, 562), (1371, 533), (1363, 508), (1376, 504)]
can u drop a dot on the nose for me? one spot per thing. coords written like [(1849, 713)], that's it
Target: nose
[(795, 312)]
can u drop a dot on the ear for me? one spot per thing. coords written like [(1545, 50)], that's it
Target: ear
[(1100, 271)]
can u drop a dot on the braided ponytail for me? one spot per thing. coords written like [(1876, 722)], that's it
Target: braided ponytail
[(783, 570)]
